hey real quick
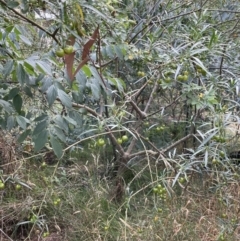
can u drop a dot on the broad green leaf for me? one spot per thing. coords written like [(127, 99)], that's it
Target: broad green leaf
[(61, 123), (12, 4), (76, 117), (21, 74), (46, 83), (13, 92), (8, 68), (29, 69), (65, 99), (40, 126), (44, 67), (57, 147), (70, 120), (51, 94), (41, 117), (98, 78), (7, 106), (22, 121), (24, 135), (17, 103), (40, 140), (95, 91), (10, 122), (86, 70), (118, 51), (109, 51), (27, 91), (78, 97), (60, 134)]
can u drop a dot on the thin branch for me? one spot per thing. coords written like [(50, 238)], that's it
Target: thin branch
[(150, 98), (52, 35), (155, 153), (5, 235)]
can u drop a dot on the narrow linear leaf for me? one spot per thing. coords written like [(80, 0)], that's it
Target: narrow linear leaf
[(25, 40)]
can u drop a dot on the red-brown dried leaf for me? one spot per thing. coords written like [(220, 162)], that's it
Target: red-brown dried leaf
[(89, 44), (69, 58)]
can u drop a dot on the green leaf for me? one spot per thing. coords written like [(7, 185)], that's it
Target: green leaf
[(40, 140), (109, 51), (75, 86), (17, 103), (12, 93), (39, 127), (60, 134), (7, 106), (51, 94), (70, 120), (21, 74), (8, 68), (12, 4), (41, 117), (10, 122), (95, 10), (22, 121), (95, 91), (57, 147), (44, 67), (28, 91), (61, 123), (25, 40), (86, 70), (65, 99), (24, 135), (119, 52)]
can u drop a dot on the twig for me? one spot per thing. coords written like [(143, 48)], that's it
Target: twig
[(5, 234), (53, 35), (161, 151)]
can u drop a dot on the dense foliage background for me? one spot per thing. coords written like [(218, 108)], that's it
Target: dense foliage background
[(121, 116)]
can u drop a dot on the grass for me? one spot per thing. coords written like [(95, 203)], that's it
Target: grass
[(70, 200)]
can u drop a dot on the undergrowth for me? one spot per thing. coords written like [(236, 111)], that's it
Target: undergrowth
[(72, 200)]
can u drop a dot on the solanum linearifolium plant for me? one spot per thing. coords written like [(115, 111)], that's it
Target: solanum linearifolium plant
[(145, 77)]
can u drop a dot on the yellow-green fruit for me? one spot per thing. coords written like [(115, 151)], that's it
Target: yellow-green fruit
[(44, 164), (185, 77), (59, 52), (124, 138), (214, 161), (18, 187), (180, 77), (68, 49), (168, 80), (100, 142), (119, 141), (2, 185), (182, 180)]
